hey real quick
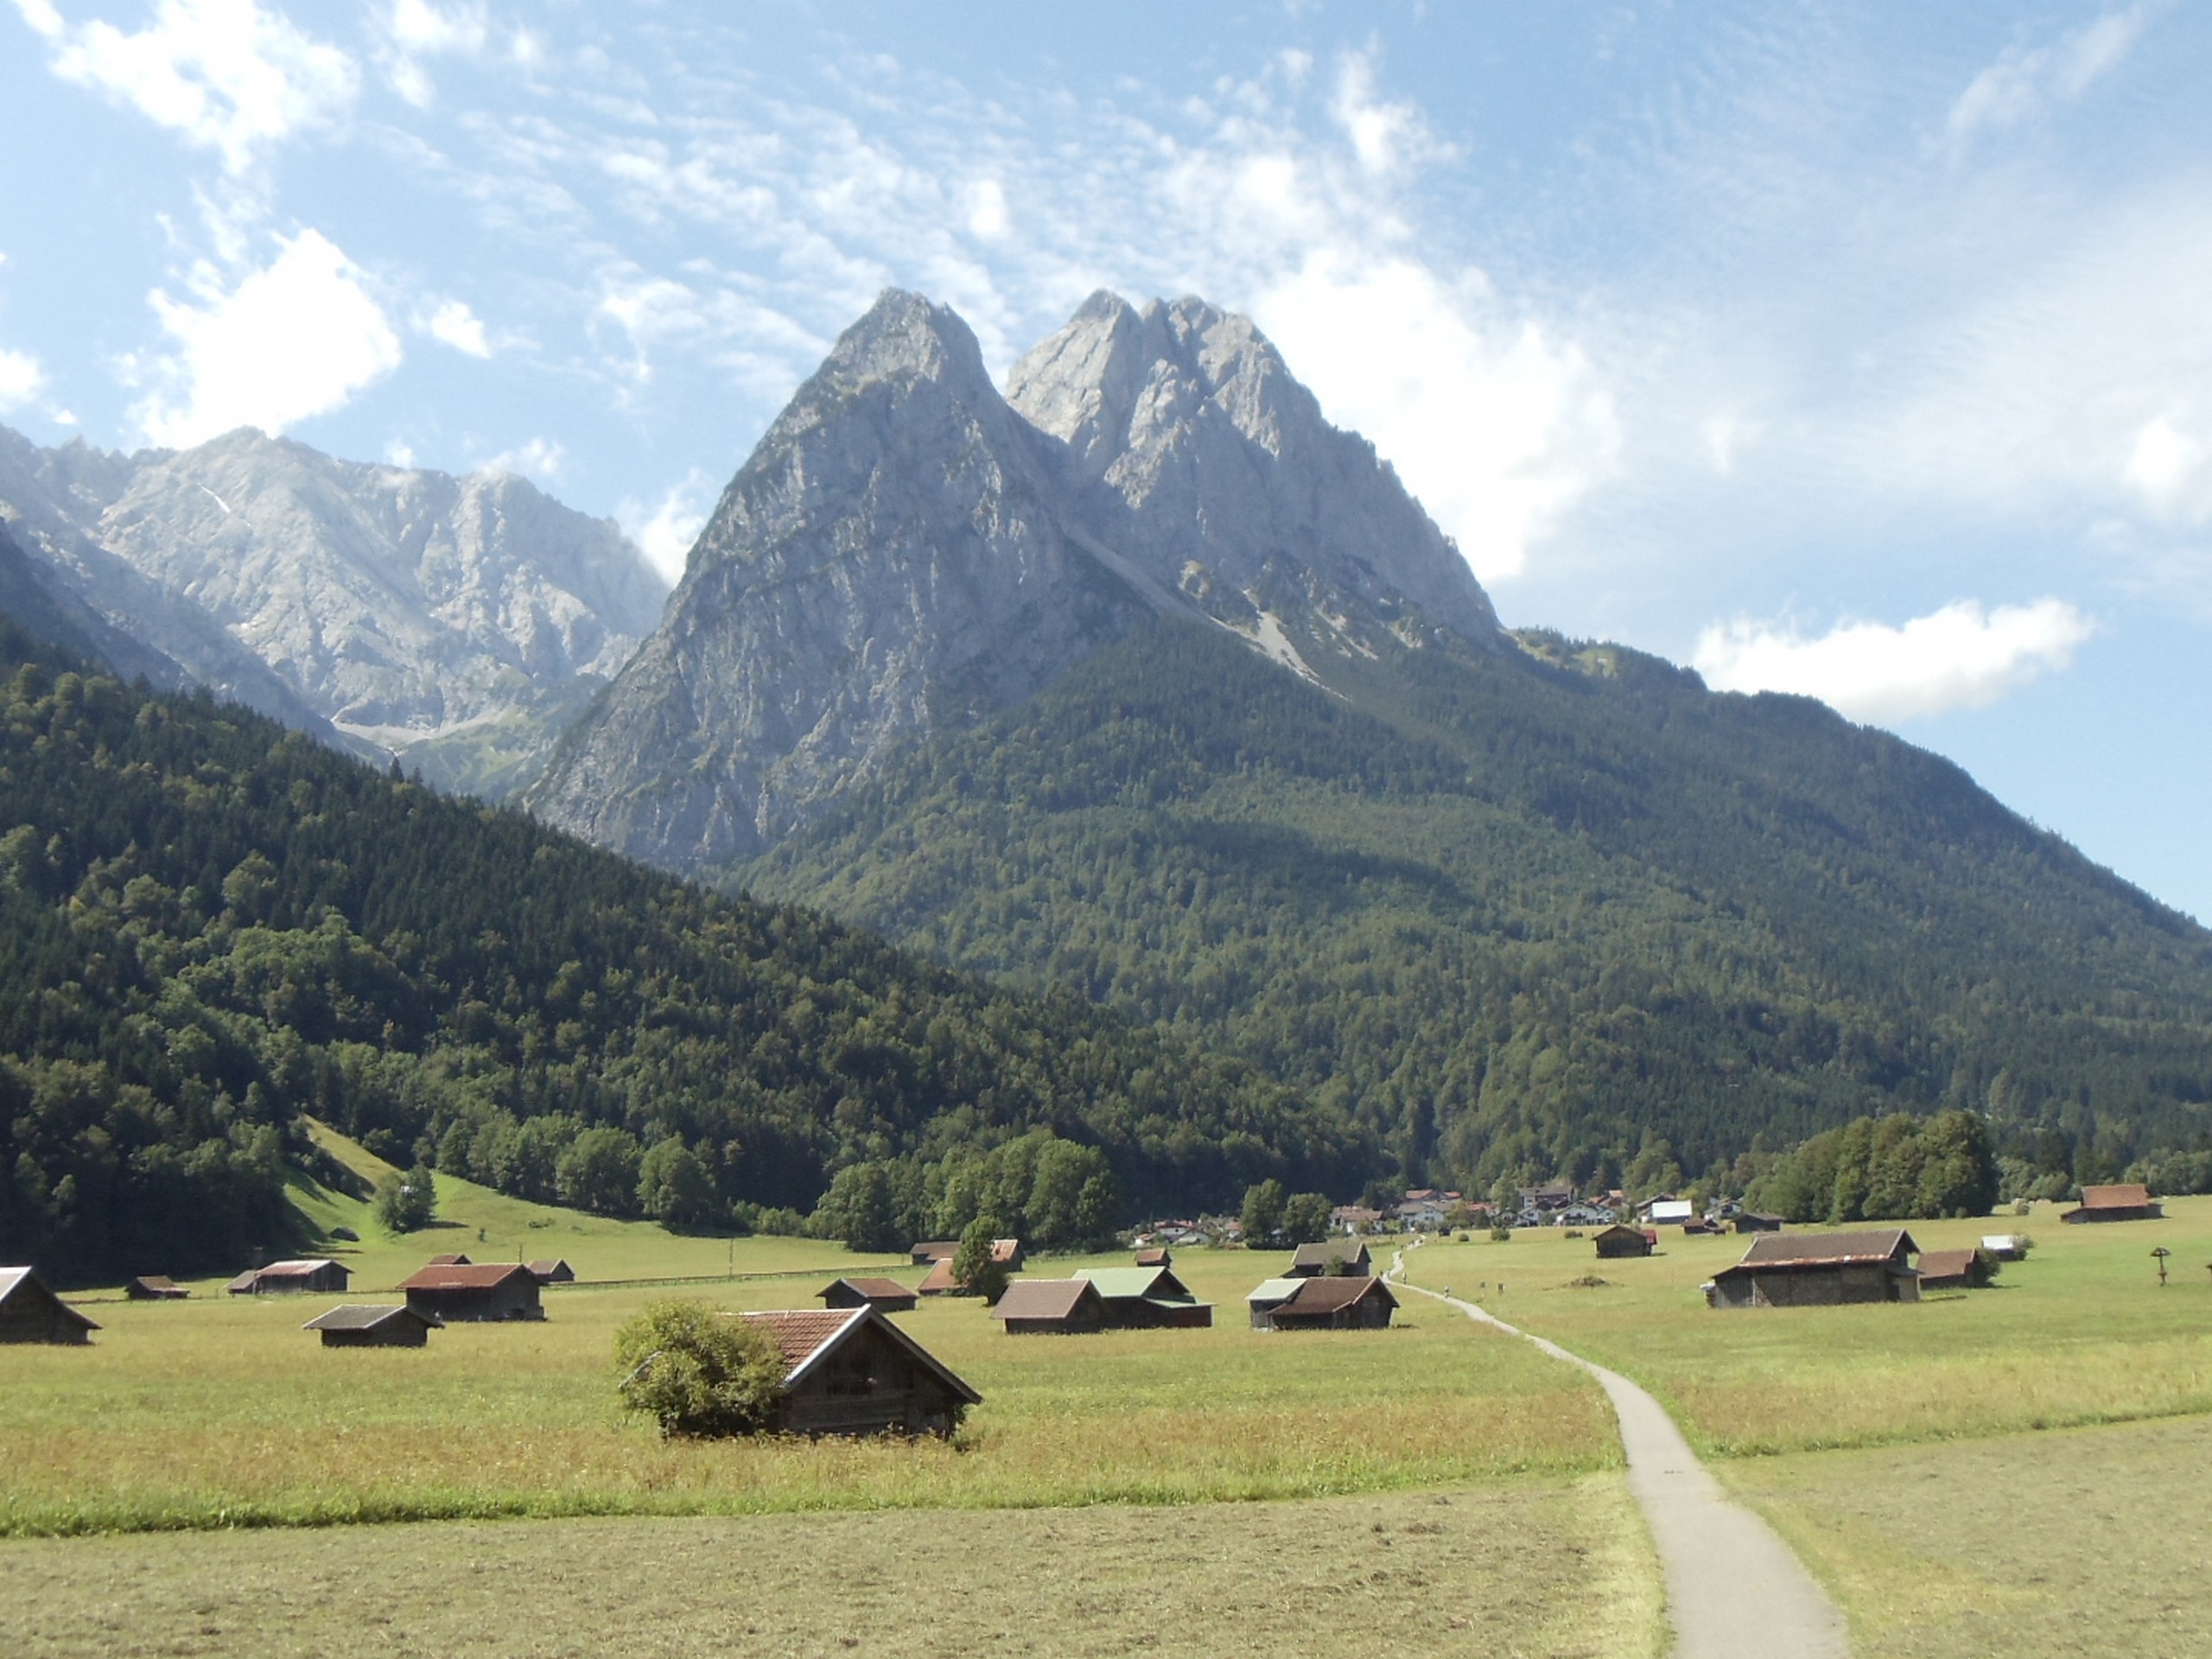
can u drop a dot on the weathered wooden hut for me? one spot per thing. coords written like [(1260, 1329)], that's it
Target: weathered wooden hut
[(1753, 1221), (1334, 1304), (1332, 1256), (31, 1312), (2117, 1201), (553, 1270), (1158, 1257), (851, 1371), (1051, 1307), (886, 1295), (1954, 1270), (154, 1287), (1618, 1241), (317, 1274), (453, 1260), (1807, 1270), (477, 1292), (938, 1280), (354, 1324), (1269, 1295), (1138, 1298), (927, 1251)]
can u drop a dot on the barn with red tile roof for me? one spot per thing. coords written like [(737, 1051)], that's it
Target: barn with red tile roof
[(851, 1371)]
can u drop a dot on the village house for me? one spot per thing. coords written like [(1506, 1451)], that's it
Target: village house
[(31, 1312), (475, 1291), (1954, 1270), (355, 1325), (318, 1274), (1354, 1218), (1147, 1299), (885, 1295), (1326, 1304), (154, 1287), (1786, 1270), (2121, 1201), (851, 1371), (1051, 1307), (1665, 1211), (1336, 1256), (1618, 1241)]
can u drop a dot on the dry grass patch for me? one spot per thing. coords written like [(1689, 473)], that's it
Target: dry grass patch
[(1559, 1568), (2058, 1543)]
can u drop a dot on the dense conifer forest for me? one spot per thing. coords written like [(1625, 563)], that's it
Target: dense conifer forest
[(1553, 911), (210, 926)]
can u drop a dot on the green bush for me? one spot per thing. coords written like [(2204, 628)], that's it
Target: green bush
[(697, 1372), (406, 1201)]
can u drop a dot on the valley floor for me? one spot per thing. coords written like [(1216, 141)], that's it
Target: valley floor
[(1543, 1566)]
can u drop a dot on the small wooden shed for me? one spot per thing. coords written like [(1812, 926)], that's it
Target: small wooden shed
[(851, 1371), (886, 1295), (1060, 1307), (355, 1325), (1269, 1295), (154, 1287), (1332, 1255), (453, 1260), (927, 1251), (2119, 1201), (1753, 1221), (1330, 1304), (1141, 1299), (553, 1270), (1618, 1241), (316, 1274), (477, 1291), (31, 1312), (1158, 1257), (1955, 1271), (1808, 1270)]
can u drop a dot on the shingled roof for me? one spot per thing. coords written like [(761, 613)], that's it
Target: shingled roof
[(1331, 1293), (359, 1316), (807, 1336), (1828, 1250), (466, 1275), (1043, 1299)]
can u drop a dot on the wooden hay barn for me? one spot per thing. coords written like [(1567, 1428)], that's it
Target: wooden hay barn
[(154, 1287), (1269, 1295), (1801, 1270), (1751, 1221), (2122, 1201), (477, 1291), (1335, 1255), (934, 1250), (1060, 1307), (1145, 1298), (455, 1261), (319, 1276), (31, 1312), (1159, 1256), (1619, 1242), (886, 1295), (553, 1270), (1954, 1270), (1327, 1304), (851, 1371), (938, 1280), (354, 1324)]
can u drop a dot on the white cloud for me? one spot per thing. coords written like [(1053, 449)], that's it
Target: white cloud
[(664, 531), (399, 453), (1495, 427), (21, 380), (988, 219), (294, 338), (459, 326), (2170, 469), (1959, 657), (2023, 85), (541, 458), (223, 74), (415, 29)]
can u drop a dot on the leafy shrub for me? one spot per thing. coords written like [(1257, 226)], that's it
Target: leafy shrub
[(975, 1267), (408, 1201), (698, 1373)]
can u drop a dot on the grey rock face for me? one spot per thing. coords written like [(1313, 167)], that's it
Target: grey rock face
[(396, 604), (907, 549), (1198, 454), (889, 558)]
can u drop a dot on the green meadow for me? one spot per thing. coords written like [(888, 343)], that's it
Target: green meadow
[(221, 1412)]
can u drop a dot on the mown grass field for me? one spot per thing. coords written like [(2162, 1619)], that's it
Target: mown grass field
[(221, 1412), (1549, 1567), (2079, 1333)]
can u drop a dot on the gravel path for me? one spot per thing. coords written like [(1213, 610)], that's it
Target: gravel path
[(1733, 1588)]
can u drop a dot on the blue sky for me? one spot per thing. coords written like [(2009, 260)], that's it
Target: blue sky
[(1859, 350)]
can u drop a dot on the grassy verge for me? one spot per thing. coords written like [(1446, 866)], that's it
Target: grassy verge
[(2080, 1333), (1559, 1568), (2045, 1544)]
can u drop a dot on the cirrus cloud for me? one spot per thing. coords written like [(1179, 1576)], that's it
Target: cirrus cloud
[(1959, 657)]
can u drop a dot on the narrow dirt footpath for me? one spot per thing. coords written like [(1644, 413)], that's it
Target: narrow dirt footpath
[(1732, 1585)]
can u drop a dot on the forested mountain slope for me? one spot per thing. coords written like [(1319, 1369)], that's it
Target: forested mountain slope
[(1535, 913), (209, 926)]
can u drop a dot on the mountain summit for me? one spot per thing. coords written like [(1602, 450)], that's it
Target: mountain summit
[(907, 550)]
